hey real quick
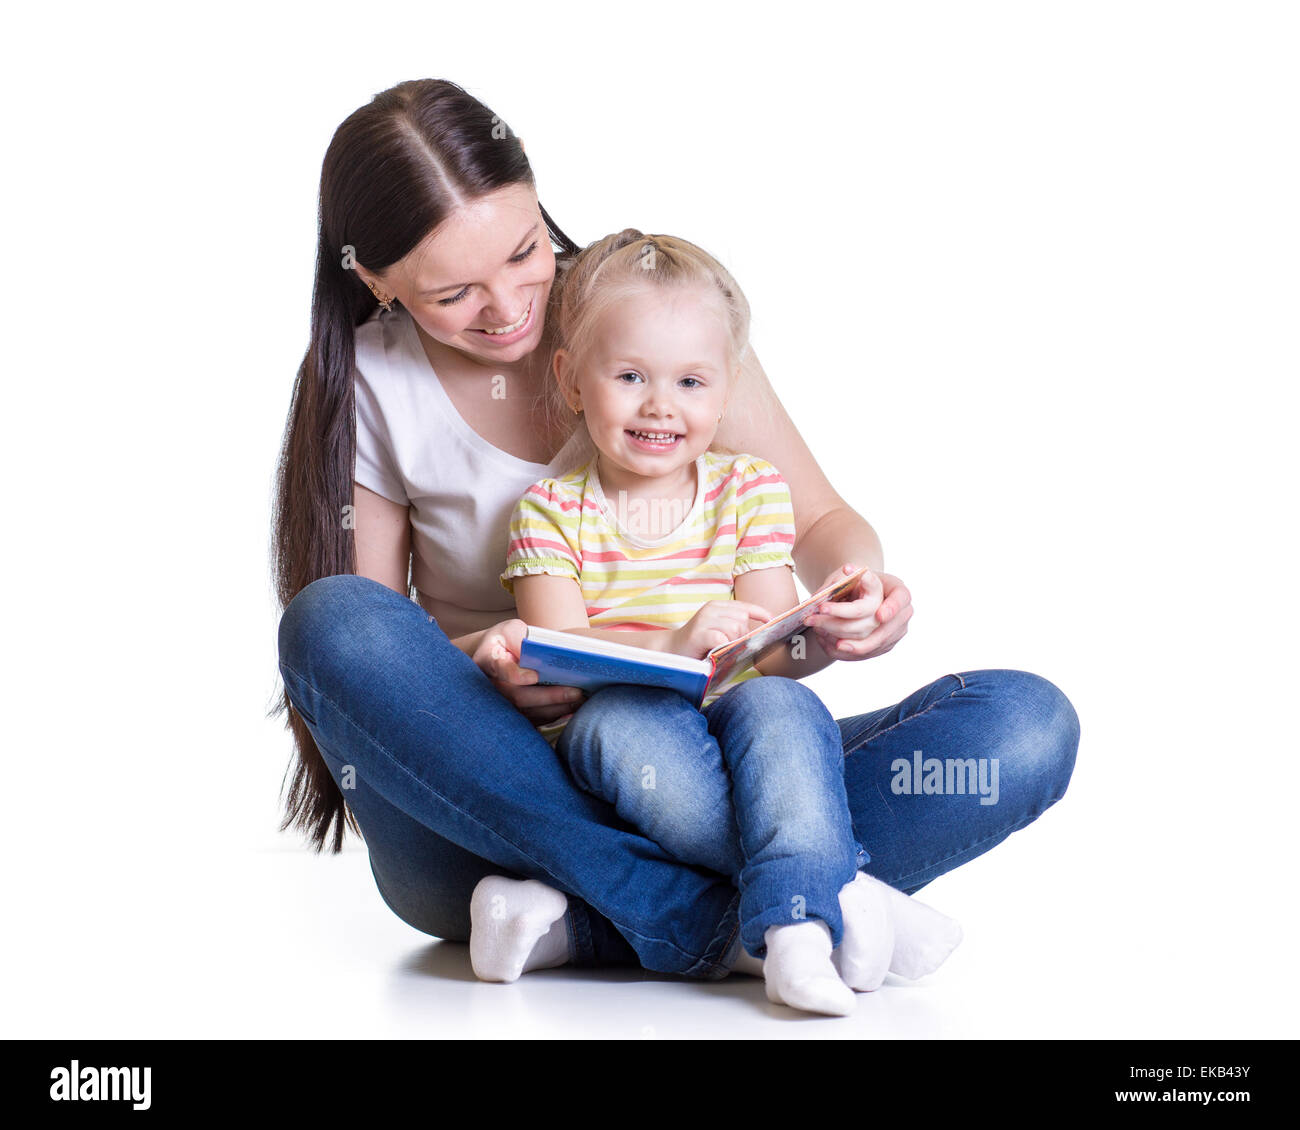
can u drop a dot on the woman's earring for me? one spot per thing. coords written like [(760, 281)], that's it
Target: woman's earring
[(386, 303)]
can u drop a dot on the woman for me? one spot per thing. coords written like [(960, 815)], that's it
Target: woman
[(421, 412)]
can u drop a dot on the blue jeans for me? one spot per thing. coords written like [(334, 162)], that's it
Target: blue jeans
[(752, 787), (450, 783)]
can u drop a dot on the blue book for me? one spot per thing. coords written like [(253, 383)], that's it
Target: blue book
[(572, 660), (581, 661)]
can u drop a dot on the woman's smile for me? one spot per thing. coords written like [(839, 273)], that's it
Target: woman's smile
[(508, 335)]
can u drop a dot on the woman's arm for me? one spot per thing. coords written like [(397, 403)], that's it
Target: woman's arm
[(828, 532), (383, 541)]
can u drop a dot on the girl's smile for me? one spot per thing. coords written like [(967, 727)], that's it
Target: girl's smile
[(654, 383), (657, 442)]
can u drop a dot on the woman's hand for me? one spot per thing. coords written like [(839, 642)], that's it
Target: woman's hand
[(716, 623), (497, 656), (869, 622)]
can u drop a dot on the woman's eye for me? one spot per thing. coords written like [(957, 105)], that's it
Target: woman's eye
[(524, 254), (454, 298)]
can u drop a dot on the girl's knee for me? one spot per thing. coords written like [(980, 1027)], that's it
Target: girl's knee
[(786, 706), (625, 712), (614, 727)]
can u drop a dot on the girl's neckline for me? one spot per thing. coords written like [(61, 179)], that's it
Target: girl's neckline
[(415, 349), (611, 516)]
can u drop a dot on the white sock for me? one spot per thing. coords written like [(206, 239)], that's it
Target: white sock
[(798, 969), (923, 938), (516, 925), (863, 957)]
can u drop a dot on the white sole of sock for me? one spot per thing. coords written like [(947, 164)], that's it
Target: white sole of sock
[(510, 919)]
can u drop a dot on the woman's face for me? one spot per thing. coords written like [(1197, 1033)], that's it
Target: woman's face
[(479, 283)]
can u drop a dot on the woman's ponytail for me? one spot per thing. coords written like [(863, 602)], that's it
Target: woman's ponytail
[(393, 172)]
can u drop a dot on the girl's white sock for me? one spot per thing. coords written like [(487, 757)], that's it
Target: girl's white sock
[(799, 972), (516, 926)]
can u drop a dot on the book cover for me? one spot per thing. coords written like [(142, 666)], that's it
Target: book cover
[(583, 661)]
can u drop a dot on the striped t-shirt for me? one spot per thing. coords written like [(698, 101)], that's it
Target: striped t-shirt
[(741, 519)]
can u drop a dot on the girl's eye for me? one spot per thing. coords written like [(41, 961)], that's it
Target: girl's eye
[(691, 382), (634, 376), (454, 298), (525, 253)]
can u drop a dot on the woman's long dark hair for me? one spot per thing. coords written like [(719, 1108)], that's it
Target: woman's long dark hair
[(390, 177)]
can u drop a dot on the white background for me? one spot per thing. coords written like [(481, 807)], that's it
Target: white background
[(1025, 274)]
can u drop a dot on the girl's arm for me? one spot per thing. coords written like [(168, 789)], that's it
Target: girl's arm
[(828, 532), (557, 602)]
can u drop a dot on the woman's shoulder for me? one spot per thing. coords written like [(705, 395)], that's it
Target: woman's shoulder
[(385, 354), (370, 345), (739, 469)]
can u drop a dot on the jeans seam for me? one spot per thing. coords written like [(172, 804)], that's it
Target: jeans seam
[(901, 721), (694, 958)]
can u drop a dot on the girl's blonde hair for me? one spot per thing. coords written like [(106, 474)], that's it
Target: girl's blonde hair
[(608, 271), (612, 268)]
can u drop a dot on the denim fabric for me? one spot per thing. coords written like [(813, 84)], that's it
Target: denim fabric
[(449, 782), (752, 787)]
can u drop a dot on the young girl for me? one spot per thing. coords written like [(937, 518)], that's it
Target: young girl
[(662, 542)]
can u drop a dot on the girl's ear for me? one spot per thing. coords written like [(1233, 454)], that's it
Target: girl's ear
[(562, 363)]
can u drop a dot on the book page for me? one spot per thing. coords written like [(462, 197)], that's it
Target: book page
[(752, 646)]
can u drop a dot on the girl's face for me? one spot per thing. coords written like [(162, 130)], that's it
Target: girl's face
[(478, 284), (654, 383)]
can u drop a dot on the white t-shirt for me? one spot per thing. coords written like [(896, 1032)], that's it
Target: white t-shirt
[(415, 449)]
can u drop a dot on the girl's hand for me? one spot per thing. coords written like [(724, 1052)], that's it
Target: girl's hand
[(497, 656), (869, 623), (716, 623)]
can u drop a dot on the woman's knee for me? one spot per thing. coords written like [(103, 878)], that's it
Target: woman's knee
[(339, 621), (1030, 726)]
